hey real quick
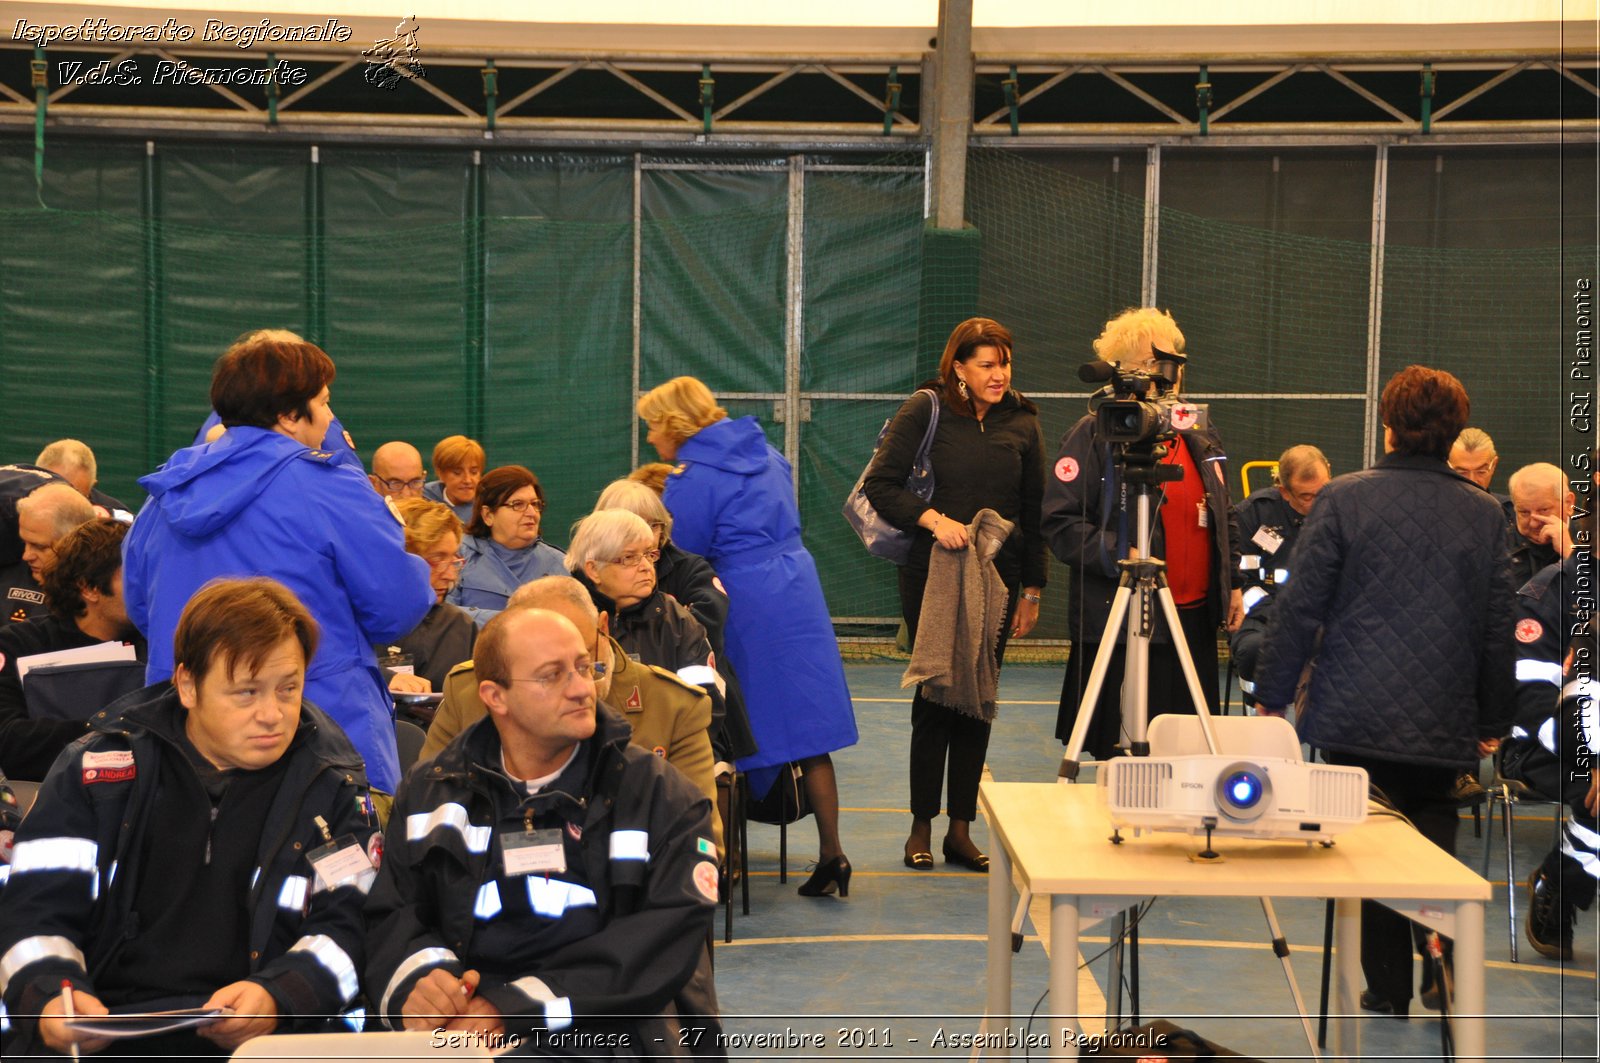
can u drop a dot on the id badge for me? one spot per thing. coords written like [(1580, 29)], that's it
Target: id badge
[(342, 859), (1202, 515), (539, 852), (1268, 539)]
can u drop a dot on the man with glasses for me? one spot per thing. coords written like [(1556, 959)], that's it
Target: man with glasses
[(1269, 523), (546, 886), (397, 471)]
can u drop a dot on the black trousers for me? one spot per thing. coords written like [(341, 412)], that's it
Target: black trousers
[(940, 734), (1422, 794), (1575, 886), (1169, 692)]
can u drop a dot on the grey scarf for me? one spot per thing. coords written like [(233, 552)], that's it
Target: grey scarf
[(962, 610)]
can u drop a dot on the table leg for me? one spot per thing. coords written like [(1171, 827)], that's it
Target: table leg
[(1469, 1002), (1001, 899), (1064, 975), (1347, 977)]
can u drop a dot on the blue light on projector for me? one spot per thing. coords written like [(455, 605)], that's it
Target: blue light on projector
[(1243, 789)]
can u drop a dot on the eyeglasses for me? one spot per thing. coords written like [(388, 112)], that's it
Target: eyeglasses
[(521, 505), (634, 560), (402, 485), (453, 561), (585, 670)]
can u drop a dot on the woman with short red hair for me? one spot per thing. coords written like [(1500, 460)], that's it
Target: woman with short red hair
[(1401, 602)]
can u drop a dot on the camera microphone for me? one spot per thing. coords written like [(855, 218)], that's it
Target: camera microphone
[(1096, 372)]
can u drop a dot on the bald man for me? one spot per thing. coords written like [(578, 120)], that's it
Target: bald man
[(397, 471), (1542, 501)]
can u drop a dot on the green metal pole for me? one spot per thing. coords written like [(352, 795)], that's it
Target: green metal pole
[(155, 406), (316, 266), (891, 105), (1009, 86), (1427, 96), (477, 353), (491, 93), (708, 95), (272, 89), (40, 71)]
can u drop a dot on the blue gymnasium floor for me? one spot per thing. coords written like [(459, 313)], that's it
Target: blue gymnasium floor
[(903, 956)]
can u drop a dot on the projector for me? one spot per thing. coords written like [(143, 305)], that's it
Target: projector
[(1229, 794)]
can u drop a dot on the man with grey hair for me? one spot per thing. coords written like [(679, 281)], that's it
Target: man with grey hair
[(1541, 503), (72, 460), (1269, 522), (1473, 456), (44, 517)]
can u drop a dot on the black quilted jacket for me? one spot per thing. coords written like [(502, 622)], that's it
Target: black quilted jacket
[(1403, 569)]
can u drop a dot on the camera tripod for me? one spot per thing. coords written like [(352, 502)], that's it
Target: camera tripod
[(1144, 582)]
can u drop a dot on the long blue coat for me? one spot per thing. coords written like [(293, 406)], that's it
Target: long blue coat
[(732, 502), (257, 503)]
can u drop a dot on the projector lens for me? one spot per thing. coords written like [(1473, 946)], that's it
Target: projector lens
[(1243, 791)]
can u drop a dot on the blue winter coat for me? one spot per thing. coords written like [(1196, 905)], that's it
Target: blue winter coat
[(487, 580), (257, 503), (1402, 568), (335, 441), (732, 502)]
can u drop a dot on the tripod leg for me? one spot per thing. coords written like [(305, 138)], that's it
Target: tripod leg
[(1097, 674), (1281, 947), (1169, 608)]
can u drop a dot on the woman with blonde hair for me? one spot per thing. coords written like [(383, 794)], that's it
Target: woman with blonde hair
[(731, 497), (458, 462), (444, 638), (1193, 527)]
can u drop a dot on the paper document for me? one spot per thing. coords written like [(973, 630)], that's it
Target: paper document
[(100, 651), (144, 1023)]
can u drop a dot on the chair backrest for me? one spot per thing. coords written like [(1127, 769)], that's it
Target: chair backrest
[(1261, 736), (409, 737), (78, 691)]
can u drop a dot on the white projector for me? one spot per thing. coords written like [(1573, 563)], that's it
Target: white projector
[(1231, 794)]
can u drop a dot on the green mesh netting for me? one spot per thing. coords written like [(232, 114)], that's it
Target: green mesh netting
[(513, 298)]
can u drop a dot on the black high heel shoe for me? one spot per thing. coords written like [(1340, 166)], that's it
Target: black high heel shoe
[(834, 873)]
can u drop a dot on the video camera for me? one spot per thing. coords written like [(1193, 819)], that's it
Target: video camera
[(1142, 409)]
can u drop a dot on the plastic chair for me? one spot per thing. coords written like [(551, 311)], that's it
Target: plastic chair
[(1173, 735), (409, 738), (1509, 792)]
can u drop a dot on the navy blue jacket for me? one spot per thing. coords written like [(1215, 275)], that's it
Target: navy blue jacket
[(619, 933), (1085, 528), (1402, 570), (67, 907)]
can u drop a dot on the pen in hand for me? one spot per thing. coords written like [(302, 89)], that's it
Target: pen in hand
[(66, 1011)]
